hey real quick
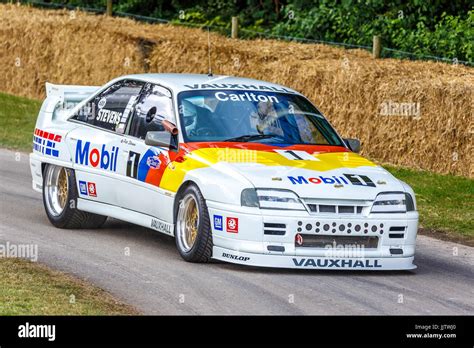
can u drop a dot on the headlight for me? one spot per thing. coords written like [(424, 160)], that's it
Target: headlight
[(248, 198), (390, 202), (271, 199), (410, 202)]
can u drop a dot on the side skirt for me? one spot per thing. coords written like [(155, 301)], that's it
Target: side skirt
[(126, 215)]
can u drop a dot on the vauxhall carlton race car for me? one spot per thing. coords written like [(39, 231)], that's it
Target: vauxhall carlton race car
[(235, 169)]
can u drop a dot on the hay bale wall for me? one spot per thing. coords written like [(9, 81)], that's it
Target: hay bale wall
[(364, 98)]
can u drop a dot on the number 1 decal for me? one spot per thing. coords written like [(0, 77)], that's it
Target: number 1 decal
[(132, 164), (297, 155)]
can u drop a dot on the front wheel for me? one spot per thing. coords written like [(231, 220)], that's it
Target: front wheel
[(193, 230), (60, 200)]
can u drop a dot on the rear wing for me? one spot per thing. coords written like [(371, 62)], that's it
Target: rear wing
[(61, 99), (69, 93)]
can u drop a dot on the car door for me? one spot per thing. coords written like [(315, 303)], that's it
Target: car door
[(96, 145), (145, 165)]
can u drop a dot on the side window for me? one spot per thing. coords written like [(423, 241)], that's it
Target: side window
[(154, 106), (111, 108)]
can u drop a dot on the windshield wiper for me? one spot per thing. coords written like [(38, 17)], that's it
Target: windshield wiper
[(250, 137)]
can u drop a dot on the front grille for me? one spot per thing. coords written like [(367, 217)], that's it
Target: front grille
[(325, 242), (324, 208), (275, 229), (343, 207)]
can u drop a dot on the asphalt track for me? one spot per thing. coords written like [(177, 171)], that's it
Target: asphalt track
[(142, 267)]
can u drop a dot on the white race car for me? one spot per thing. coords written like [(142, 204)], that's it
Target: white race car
[(236, 169)]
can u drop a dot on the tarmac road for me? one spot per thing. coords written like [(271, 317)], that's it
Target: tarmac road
[(142, 267)]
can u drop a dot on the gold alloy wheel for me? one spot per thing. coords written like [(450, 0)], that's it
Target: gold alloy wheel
[(62, 188), (56, 189), (187, 222)]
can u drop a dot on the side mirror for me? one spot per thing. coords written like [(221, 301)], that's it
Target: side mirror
[(353, 144), (165, 138), (161, 139)]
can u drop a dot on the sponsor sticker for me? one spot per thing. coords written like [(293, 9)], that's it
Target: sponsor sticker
[(346, 179), (83, 187), (109, 116), (235, 257), (337, 263), (232, 225), (102, 157), (218, 222), (102, 103), (153, 162), (238, 86), (87, 188), (91, 189), (161, 226), (245, 96)]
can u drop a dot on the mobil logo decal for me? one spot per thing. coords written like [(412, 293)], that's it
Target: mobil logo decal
[(102, 157), (345, 179)]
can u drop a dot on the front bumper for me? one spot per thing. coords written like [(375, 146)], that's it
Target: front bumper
[(332, 263), (252, 245)]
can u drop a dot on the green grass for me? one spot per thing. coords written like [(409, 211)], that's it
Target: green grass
[(445, 202), (28, 288), (17, 120)]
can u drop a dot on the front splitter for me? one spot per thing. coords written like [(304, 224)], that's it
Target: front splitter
[(307, 262)]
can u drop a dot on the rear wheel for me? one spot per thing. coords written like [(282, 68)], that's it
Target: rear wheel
[(193, 229), (60, 200)]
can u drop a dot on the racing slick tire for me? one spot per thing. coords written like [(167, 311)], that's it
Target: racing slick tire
[(60, 200), (193, 234)]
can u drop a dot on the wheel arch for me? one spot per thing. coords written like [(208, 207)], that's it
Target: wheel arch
[(202, 248), (179, 194), (45, 163)]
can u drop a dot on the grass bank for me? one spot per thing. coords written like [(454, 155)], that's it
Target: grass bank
[(17, 120), (445, 203), (28, 288)]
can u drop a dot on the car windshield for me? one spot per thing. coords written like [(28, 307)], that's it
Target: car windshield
[(246, 116)]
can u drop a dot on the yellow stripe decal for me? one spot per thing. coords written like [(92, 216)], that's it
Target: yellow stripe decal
[(175, 172)]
